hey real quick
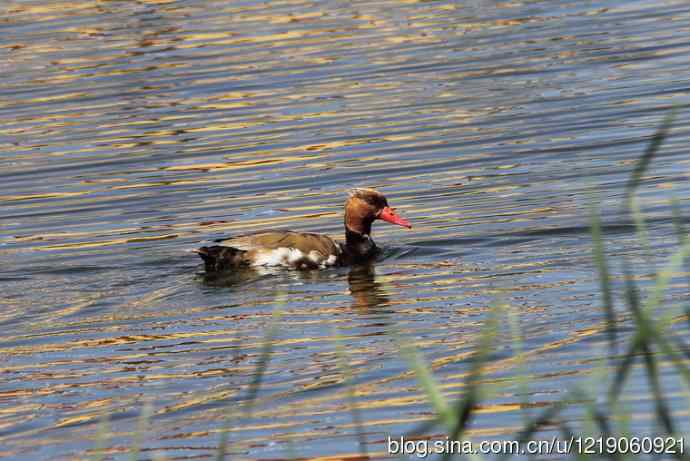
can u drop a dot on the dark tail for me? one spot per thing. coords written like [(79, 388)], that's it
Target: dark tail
[(218, 258)]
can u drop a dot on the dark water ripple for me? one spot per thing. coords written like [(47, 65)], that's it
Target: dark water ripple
[(133, 131)]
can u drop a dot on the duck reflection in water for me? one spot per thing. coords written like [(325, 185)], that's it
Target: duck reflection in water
[(367, 293)]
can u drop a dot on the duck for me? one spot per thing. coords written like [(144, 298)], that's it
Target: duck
[(305, 250)]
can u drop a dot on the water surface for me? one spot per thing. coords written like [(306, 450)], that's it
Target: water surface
[(133, 131)]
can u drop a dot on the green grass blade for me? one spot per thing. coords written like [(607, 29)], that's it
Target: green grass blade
[(662, 412), (536, 424), (428, 384), (142, 428), (641, 230), (604, 425), (643, 163), (222, 451), (518, 348), (665, 275), (464, 409), (102, 437), (678, 226), (622, 373), (604, 277), (630, 203), (262, 363), (682, 235), (346, 370), (254, 386), (568, 434), (648, 329), (623, 370)]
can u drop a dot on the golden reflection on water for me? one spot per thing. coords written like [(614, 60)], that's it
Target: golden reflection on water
[(134, 131)]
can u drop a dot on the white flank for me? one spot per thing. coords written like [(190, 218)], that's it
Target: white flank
[(331, 260), (278, 257), (321, 260), (290, 257)]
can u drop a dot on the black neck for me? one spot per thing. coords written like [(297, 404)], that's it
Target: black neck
[(358, 245)]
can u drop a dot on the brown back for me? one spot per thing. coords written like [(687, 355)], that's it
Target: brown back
[(302, 241)]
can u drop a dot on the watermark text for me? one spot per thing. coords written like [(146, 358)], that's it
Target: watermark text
[(422, 448)]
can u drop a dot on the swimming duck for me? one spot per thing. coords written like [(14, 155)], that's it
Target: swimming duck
[(303, 250)]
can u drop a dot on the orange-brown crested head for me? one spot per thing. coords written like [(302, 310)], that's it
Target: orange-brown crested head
[(364, 206)]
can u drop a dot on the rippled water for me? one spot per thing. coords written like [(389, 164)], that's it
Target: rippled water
[(132, 131)]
